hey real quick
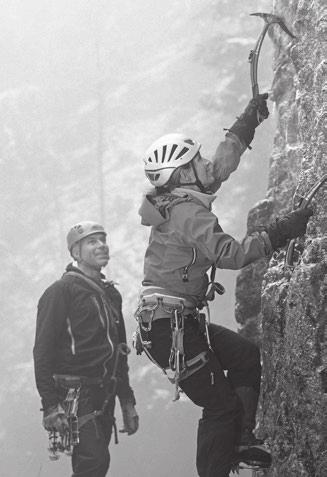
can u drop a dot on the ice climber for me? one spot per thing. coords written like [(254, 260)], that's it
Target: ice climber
[(80, 356), (186, 240)]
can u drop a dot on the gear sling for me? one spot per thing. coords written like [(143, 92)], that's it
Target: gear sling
[(72, 385)]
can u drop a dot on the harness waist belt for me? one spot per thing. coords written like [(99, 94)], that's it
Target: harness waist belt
[(166, 300), (69, 381)]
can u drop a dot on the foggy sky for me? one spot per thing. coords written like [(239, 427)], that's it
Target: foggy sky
[(155, 62)]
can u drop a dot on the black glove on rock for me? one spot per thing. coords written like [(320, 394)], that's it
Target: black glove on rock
[(245, 125), (288, 227)]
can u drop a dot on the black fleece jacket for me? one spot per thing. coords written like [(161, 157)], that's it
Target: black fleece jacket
[(77, 333)]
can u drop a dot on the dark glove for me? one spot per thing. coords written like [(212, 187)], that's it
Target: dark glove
[(130, 417), (55, 419), (255, 112), (288, 227)]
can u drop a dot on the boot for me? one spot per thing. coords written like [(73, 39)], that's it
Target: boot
[(250, 449), (249, 400)]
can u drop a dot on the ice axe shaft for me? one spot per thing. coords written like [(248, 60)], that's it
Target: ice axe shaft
[(269, 19)]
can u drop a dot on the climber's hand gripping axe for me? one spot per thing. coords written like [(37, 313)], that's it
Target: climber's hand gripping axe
[(269, 19)]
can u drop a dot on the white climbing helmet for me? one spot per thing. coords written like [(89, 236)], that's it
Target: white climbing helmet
[(166, 154)]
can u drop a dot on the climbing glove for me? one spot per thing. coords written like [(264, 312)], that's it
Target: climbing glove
[(288, 227), (130, 417), (253, 114), (55, 419)]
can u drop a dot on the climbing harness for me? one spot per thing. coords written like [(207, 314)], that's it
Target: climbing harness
[(157, 306), (293, 254), (269, 19), (70, 438)]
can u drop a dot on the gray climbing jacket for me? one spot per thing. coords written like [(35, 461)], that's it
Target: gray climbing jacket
[(186, 238)]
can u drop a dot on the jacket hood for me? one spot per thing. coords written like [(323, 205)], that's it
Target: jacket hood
[(154, 209), (150, 213)]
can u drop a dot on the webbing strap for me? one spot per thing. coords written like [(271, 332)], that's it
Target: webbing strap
[(82, 420), (88, 280), (97, 288)]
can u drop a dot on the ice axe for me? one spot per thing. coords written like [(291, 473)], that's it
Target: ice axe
[(269, 19)]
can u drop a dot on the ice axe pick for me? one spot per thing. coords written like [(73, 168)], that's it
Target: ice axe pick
[(269, 19)]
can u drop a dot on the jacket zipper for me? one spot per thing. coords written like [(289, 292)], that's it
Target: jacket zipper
[(70, 332), (106, 326), (187, 267), (95, 301), (105, 370)]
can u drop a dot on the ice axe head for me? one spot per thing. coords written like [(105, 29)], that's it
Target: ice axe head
[(269, 19)]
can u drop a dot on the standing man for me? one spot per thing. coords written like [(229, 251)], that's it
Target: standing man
[(186, 240), (80, 356)]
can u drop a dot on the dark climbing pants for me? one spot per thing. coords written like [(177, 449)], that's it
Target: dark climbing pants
[(211, 388), (91, 456)]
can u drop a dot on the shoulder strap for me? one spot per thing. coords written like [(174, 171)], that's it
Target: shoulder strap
[(87, 280), (100, 290)]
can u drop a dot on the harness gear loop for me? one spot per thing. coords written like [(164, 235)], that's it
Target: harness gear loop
[(143, 307)]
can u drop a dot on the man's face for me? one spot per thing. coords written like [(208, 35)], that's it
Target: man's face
[(94, 251)]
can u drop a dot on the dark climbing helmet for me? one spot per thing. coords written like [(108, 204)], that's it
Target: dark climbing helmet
[(167, 154), (82, 230)]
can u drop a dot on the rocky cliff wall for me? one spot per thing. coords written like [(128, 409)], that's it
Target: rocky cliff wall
[(286, 310)]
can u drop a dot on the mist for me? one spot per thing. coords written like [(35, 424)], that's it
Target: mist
[(85, 88)]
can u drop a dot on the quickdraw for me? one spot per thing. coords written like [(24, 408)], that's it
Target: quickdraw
[(304, 202), (269, 19)]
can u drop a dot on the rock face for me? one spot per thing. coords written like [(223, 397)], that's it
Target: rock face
[(290, 322)]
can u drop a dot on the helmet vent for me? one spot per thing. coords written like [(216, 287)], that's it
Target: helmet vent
[(152, 177), (173, 149), (164, 149), (156, 155), (183, 151), (189, 141)]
